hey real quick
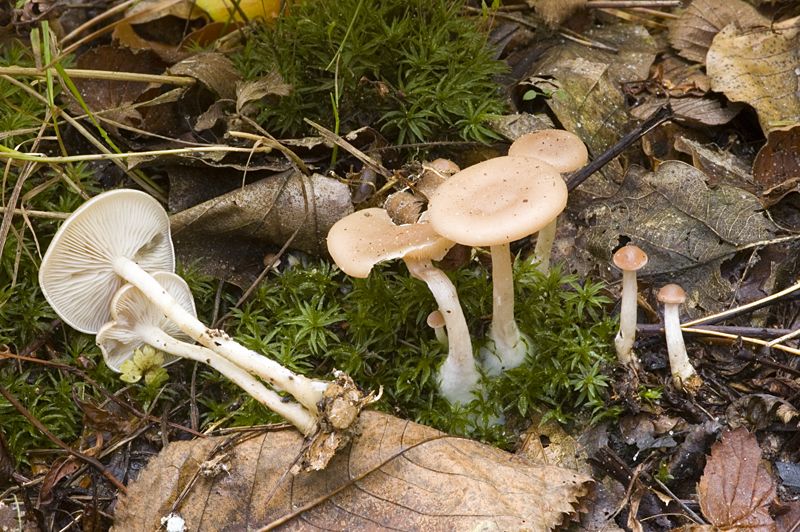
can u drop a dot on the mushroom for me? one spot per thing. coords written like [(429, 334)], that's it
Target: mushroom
[(436, 322), (629, 259), (137, 322), (492, 204), (566, 152), (120, 236), (359, 241), (683, 374)]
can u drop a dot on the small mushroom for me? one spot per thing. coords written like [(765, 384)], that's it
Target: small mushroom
[(683, 374), (437, 323), (363, 239), (492, 204), (120, 236), (629, 259), (566, 152), (137, 322)]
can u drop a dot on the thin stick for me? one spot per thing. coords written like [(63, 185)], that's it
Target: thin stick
[(78, 73), (628, 4), (744, 339), (38, 214), (646, 329), (738, 310)]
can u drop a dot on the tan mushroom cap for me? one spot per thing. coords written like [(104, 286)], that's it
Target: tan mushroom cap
[(436, 319), (498, 201), (562, 149), (630, 258), (361, 240), (671, 294)]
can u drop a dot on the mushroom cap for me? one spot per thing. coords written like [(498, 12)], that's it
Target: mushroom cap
[(671, 294), (498, 201), (630, 258), (77, 272), (130, 308), (361, 240), (445, 166), (562, 149), (436, 319)]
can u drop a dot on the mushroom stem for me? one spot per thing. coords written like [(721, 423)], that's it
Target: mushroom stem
[(294, 413), (683, 373), (459, 375), (627, 320), (307, 391), (544, 245), (510, 347)]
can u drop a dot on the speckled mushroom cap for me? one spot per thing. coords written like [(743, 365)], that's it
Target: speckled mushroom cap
[(361, 240), (498, 201), (562, 149), (630, 258), (671, 294), (130, 308), (77, 272)]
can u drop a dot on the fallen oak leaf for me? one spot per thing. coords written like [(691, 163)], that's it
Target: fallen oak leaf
[(397, 475), (736, 490)]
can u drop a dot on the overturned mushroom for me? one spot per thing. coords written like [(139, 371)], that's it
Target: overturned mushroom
[(137, 323), (365, 238)]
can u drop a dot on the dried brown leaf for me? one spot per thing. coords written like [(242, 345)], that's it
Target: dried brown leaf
[(736, 490), (776, 169), (554, 12), (230, 234), (756, 411), (250, 91), (213, 70), (694, 31), (719, 165), (691, 109), (413, 479), (550, 444), (759, 67)]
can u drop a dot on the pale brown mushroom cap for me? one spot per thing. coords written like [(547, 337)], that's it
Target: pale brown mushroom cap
[(436, 319), (361, 240), (630, 258), (671, 294), (445, 166), (562, 149), (498, 201)]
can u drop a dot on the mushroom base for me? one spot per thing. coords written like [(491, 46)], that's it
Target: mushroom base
[(498, 356)]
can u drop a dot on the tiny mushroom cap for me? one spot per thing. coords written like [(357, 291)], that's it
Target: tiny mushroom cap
[(131, 310), (630, 258), (435, 319), (562, 149), (498, 201), (77, 272), (445, 166), (361, 240), (671, 294)]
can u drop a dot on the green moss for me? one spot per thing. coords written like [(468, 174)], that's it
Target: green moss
[(417, 70)]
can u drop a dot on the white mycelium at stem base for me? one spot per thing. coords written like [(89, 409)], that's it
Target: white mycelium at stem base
[(137, 322), (492, 204), (629, 259), (120, 236), (367, 237)]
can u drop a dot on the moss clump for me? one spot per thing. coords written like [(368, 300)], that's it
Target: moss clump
[(415, 69)]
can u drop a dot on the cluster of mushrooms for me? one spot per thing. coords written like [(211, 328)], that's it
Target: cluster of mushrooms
[(492, 203), (109, 271)]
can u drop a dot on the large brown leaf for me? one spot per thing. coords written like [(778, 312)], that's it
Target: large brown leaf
[(397, 475), (759, 67), (736, 490)]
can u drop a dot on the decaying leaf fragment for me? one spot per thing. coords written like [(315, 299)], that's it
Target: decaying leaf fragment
[(683, 225), (396, 476), (693, 32), (759, 67), (736, 490), (776, 169), (229, 232)]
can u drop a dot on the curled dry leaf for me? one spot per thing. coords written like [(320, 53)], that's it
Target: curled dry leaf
[(718, 165), (756, 411), (776, 169), (231, 234), (550, 444), (396, 476), (213, 70), (759, 67), (554, 12), (682, 225), (736, 490), (694, 31)]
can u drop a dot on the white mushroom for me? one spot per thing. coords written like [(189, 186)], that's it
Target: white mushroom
[(629, 259), (137, 322), (119, 236), (684, 375)]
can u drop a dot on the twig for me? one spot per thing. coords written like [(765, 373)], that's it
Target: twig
[(78, 73), (628, 4), (699, 520), (647, 329), (755, 305), (336, 139), (661, 116), (38, 214)]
